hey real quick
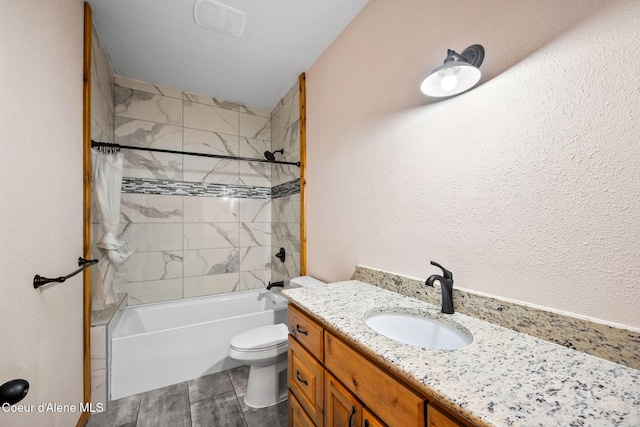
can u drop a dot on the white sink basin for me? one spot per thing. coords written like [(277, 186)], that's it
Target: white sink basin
[(419, 331)]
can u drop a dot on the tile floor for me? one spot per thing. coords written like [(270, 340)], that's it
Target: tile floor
[(216, 400)]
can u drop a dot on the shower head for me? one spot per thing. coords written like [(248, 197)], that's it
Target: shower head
[(270, 156)]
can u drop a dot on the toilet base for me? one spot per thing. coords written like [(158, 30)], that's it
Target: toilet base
[(267, 385)]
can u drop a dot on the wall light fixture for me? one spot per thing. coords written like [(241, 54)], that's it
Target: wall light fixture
[(458, 74)]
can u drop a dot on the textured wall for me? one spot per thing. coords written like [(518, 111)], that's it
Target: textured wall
[(525, 187), (41, 204)]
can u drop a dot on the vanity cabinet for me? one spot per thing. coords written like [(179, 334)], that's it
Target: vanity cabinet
[(333, 384)]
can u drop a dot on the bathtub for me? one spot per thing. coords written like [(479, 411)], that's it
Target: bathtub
[(156, 345)]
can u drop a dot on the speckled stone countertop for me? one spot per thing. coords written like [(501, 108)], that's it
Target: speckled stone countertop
[(503, 378)]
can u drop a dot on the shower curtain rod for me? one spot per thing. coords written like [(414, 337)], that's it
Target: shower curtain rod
[(117, 147)]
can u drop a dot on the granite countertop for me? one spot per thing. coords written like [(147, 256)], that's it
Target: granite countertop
[(503, 378)]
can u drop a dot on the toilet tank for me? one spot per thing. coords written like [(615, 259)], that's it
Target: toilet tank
[(305, 281)]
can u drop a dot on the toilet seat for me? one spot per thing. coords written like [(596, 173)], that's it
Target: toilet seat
[(261, 338)]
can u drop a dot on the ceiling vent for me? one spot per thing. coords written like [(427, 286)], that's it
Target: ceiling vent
[(219, 17)]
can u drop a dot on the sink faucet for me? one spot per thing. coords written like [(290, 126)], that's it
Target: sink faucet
[(446, 286), (271, 285)]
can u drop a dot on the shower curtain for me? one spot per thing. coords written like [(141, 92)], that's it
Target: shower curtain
[(113, 252)]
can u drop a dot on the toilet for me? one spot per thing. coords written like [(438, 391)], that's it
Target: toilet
[(264, 349)]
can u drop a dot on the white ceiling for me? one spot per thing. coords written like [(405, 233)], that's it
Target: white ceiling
[(158, 41)]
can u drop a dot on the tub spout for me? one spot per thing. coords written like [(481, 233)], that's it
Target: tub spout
[(271, 285)]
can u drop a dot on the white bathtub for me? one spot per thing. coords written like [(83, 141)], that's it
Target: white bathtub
[(156, 345)]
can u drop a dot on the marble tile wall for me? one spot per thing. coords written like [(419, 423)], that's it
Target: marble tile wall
[(285, 134), (102, 89), (103, 322), (102, 114), (285, 205), (204, 225)]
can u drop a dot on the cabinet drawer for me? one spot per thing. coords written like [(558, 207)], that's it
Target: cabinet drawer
[(306, 381), (297, 416), (393, 403), (307, 332)]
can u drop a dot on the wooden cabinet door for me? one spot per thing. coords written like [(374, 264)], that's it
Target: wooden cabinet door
[(297, 416), (340, 407), (370, 420)]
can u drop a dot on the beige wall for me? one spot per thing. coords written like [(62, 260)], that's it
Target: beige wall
[(41, 203), (526, 187)]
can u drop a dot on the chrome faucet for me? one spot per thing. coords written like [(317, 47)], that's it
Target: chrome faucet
[(446, 286), (271, 285)]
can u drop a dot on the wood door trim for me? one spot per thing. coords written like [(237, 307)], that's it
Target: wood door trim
[(86, 207), (303, 178)]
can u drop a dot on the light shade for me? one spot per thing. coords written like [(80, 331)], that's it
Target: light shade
[(458, 74)]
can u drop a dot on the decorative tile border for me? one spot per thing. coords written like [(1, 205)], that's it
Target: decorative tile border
[(200, 189), (615, 344), (286, 189)]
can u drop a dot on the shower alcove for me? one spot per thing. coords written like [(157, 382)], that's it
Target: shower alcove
[(196, 226)]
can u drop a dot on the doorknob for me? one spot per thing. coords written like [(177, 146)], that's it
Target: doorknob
[(13, 391)]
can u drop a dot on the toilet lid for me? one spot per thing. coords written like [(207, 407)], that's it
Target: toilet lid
[(261, 337)]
